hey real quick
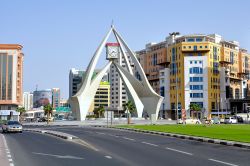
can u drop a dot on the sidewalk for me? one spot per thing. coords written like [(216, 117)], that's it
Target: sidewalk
[(3, 155)]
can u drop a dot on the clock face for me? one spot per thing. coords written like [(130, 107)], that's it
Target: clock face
[(112, 52)]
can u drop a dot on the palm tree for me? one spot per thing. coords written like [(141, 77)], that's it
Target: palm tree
[(101, 111), (195, 108), (130, 107), (21, 110), (48, 110)]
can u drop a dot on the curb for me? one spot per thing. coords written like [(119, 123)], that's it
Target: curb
[(181, 136), (54, 133)]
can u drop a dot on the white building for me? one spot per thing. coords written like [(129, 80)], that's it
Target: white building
[(28, 100)]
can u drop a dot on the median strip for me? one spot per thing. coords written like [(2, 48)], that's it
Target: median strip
[(195, 138)]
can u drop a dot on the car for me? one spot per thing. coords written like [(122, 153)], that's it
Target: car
[(179, 121), (222, 120), (215, 120), (192, 121), (42, 119), (239, 119), (12, 126), (230, 120)]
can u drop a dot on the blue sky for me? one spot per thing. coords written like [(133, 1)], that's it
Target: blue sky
[(60, 34)]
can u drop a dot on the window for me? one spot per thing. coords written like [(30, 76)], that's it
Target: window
[(200, 46), (191, 62), (196, 87), (196, 95), (196, 79), (198, 39), (190, 40), (199, 54), (195, 48)]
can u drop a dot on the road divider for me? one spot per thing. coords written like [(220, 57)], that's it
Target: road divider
[(65, 136), (188, 137)]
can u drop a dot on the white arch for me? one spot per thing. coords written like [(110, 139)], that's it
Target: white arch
[(142, 93)]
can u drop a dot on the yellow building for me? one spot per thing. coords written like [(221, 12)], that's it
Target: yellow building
[(102, 96), (201, 69)]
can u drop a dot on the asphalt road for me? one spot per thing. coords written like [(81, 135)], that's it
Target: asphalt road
[(33, 149), (132, 148)]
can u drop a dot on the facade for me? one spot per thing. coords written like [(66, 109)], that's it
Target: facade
[(55, 97), (118, 94), (28, 100), (76, 78), (102, 96), (202, 69), (11, 76), (42, 98)]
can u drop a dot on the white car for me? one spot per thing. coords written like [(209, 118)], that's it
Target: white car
[(12, 126), (231, 120), (192, 121)]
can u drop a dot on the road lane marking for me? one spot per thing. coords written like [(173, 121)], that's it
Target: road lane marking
[(131, 139), (149, 144), (59, 156), (113, 135), (222, 162), (7, 151), (108, 157), (175, 150)]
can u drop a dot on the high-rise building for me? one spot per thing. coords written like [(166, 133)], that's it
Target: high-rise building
[(76, 77), (118, 95), (201, 69), (42, 98), (28, 100), (55, 97), (102, 96), (11, 76)]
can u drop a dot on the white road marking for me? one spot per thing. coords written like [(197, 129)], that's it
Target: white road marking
[(222, 162), (175, 150), (108, 157), (7, 151), (131, 139), (149, 144), (59, 156)]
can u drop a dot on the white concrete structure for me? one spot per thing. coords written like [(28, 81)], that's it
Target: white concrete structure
[(165, 91), (143, 96), (196, 81), (28, 100)]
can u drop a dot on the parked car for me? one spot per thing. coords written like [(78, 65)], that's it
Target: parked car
[(179, 121), (51, 119), (42, 119), (230, 120), (222, 120), (192, 121), (239, 119), (12, 126), (215, 120)]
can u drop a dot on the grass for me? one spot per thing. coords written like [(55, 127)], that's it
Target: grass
[(240, 133)]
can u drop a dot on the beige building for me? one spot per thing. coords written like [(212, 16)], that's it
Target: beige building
[(102, 96), (11, 76)]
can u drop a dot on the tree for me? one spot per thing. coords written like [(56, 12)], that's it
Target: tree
[(100, 111), (21, 110), (48, 110), (195, 108), (130, 107)]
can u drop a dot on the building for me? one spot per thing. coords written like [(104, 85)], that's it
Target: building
[(76, 77), (64, 103), (28, 100), (118, 94), (202, 69), (102, 96), (55, 97), (11, 76), (42, 98)]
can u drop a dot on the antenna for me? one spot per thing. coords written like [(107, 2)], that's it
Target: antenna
[(36, 87)]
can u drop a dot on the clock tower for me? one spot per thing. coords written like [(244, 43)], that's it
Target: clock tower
[(112, 51)]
